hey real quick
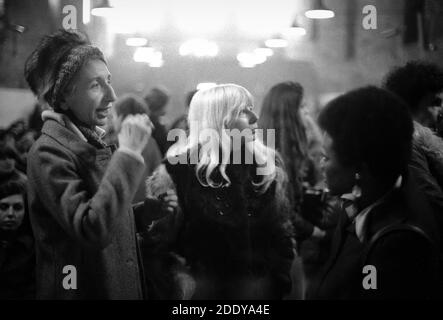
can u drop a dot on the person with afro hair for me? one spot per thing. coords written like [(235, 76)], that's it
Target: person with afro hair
[(367, 145), (420, 85)]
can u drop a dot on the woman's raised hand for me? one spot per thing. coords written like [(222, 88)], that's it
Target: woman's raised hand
[(135, 132)]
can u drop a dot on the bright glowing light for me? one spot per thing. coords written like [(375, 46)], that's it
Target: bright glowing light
[(150, 56), (144, 54), (156, 64), (156, 56), (199, 48), (244, 56), (247, 59), (259, 59), (296, 31), (136, 42), (86, 11), (276, 43), (268, 52), (104, 10), (247, 65), (250, 58), (200, 18), (206, 85), (320, 14)]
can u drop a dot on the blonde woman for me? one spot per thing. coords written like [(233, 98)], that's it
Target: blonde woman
[(233, 228)]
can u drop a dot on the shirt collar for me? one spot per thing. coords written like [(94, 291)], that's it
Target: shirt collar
[(360, 218)]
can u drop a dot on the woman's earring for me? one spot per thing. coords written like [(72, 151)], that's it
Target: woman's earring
[(356, 190)]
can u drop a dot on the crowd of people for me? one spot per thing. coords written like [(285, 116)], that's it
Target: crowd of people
[(346, 204)]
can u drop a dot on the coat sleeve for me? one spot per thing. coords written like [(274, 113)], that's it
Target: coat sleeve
[(88, 218), (426, 182), (146, 212)]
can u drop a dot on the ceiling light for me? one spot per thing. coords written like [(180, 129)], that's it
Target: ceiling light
[(136, 42), (156, 64), (250, 59), (276, 42), (103, 10), (296, 29), (268, 52), (247, 65), (86, 11), (319, 11), (144, 54)]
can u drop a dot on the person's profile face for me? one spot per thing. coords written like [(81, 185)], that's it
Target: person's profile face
[(247, 119), (339, 178), (12, 212), (246, 123), (431, 106), (91, 95)]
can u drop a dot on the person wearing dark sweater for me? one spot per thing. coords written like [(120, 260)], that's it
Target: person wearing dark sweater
[(233, 228), (420, 85), (17, 253), (157, 100)]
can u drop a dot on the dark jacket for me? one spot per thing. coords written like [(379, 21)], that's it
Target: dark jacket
[(160, 134), (81, 215), (17, 266), (405, 260), (237, 242), (426, 165)]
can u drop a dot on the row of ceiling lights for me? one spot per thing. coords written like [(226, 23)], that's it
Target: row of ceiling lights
[(317, 11), (205, 48)]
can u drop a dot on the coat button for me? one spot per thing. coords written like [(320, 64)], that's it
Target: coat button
[(221, 213)]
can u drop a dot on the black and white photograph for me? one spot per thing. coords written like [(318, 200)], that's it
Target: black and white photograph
[(221, 157)]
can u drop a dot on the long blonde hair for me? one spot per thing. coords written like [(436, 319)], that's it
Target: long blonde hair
[(215, 109)]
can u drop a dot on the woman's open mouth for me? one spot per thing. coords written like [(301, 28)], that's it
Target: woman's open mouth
[(103, 113)]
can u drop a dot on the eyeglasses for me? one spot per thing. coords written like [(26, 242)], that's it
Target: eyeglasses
[(15, 206)]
